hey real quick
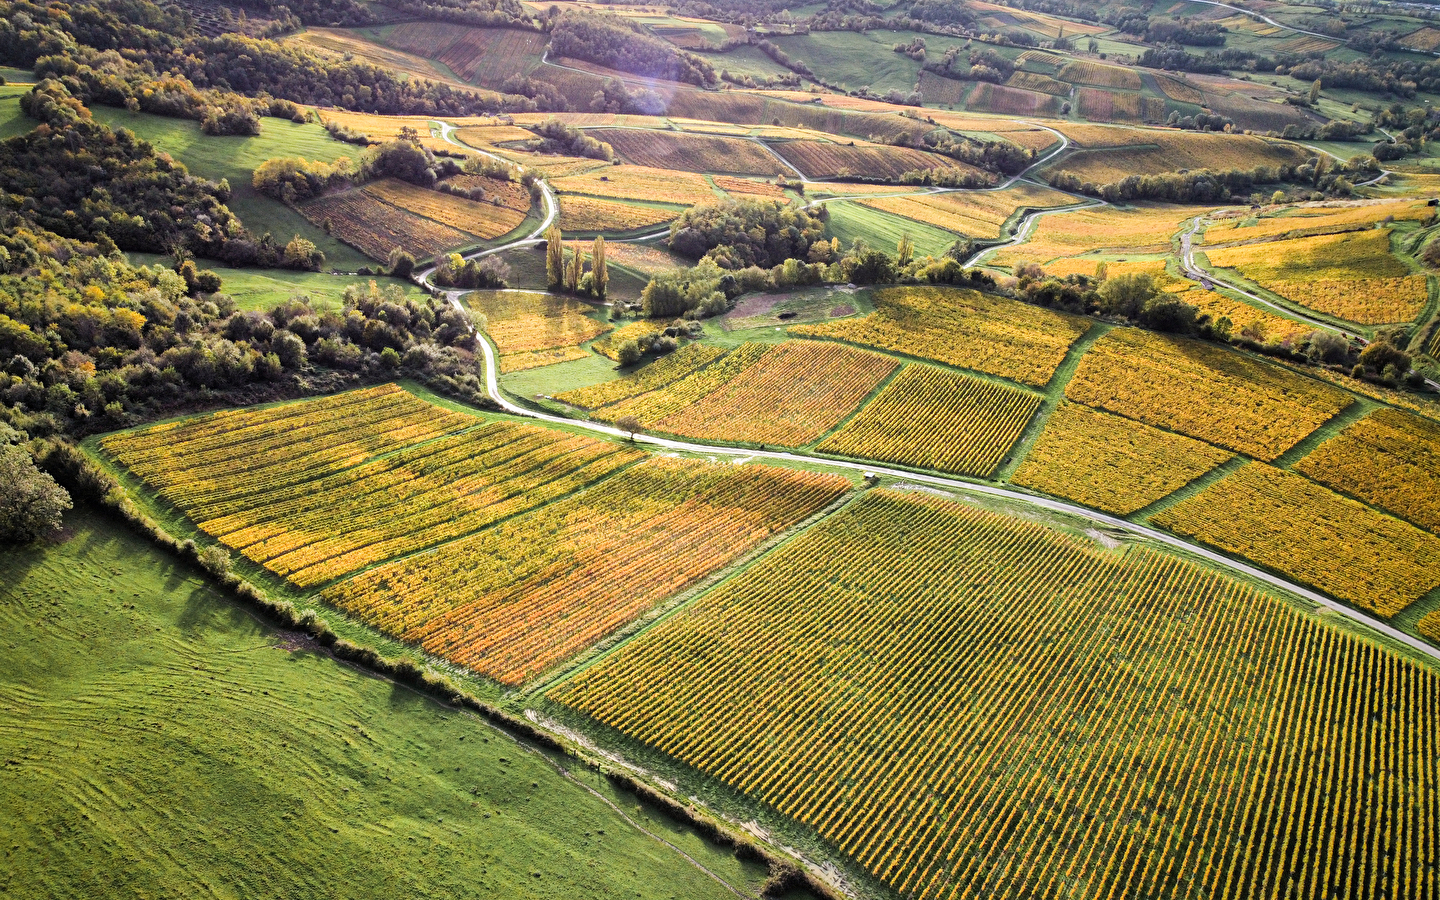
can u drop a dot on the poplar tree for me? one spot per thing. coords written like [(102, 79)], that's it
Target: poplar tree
[(599, 275), (554, 257)]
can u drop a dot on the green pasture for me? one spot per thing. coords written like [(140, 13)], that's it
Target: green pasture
[(235, 158), (158, 741), (883, 231)]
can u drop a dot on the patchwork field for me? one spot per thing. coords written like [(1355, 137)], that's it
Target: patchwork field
[(1390, 459), (515, 600), (534, 329), (907, 679), (1111, 463), (933, 419), (997, 98), (1288, 523), (1100, 75), (1213, 394), (962, 328), (691, 152)]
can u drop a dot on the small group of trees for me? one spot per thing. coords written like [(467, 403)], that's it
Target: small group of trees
[(558, 137), (565, 269)]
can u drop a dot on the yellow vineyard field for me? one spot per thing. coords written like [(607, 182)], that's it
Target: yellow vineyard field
[(1029, 81), (639, 183), (504, 193), (731, 184), (662, 372), (691, 152), (1112, 463), (517, 599), (1177, 89), (962, 328), (376, 227), (1251, 321), (1352, 275), (578, 213), (933, 419), (1390, 459), (1309, 221), (525, 326), (608, 345), (787, 394), (971, 705), (1100, 75), (1207, 392), (1131, 151), (1288, 523), (974, 213), (1141, 229), (822, 159)]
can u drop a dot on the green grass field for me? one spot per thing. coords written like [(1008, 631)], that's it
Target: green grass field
[(12, 120), (883, 231), (235, 158), (262, 289), (157, 741)]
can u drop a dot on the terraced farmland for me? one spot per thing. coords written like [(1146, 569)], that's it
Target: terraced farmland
[(962, 328), (908, 680)]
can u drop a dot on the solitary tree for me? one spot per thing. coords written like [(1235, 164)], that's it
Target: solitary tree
[(554, 257), (629, 424), (401, 263), (31, 503), (599, 274), (1315, 92)]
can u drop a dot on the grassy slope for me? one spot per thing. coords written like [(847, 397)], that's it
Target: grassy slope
[(263, 288), (12, 120), (235, 158), (849, 220), (160, 742)]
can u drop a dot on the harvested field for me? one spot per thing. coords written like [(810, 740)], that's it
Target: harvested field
[(1111, 463), (593, 214), (930, 418), (483, 219), (1288, 523), (962, 328), (1207, 392), (691, 152), (821, 159), (376, 227)]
